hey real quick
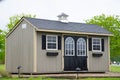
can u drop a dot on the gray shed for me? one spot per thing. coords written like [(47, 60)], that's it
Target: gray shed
[(48, 46)]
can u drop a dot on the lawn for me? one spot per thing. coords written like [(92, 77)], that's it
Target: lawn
[(2, 67), (113, 69)]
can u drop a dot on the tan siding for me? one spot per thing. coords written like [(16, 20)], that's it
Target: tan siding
[(109, 52), (19, 49), (47, 64), (99, 64)]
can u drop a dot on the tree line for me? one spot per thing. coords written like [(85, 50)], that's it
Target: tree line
[(109, 22)]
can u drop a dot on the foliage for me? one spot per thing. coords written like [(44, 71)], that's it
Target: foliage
[(112, 24), (14, 19), (4, 73), (12, 22), (2, 46)]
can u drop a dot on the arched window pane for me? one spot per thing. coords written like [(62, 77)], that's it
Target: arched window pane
[(81, 47), (69, 47)]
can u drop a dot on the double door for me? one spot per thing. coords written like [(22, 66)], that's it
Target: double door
[(75, 53)]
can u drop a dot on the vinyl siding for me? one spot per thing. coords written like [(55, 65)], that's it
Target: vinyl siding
[(19, 49), (47, 64)]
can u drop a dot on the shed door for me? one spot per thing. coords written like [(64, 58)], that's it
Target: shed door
[(75, 53)]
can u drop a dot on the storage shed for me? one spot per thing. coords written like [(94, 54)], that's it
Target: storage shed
[(49, 46)]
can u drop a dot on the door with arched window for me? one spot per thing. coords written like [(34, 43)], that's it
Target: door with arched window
[(75, 54)]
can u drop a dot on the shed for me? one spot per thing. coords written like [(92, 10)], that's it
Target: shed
[(49, 46)]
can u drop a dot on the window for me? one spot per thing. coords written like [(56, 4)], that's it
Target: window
[(51, 42), (96, 44), (24, 26), (81, 47), (69, 47)]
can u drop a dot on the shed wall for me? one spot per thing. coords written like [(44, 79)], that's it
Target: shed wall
[(47, 64), (99, 64), (19, 49)]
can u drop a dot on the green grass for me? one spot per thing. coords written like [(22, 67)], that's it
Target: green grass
[(2, 67), (39, 78), (115, 68), (101, 79)]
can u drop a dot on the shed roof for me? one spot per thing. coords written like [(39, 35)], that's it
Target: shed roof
[(70, 26)]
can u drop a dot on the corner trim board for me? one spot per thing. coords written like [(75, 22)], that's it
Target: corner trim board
[(35, 53)]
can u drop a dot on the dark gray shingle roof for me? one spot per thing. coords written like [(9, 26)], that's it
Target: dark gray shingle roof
[(71, 26)]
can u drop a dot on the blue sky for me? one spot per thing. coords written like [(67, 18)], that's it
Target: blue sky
[(78, 10)]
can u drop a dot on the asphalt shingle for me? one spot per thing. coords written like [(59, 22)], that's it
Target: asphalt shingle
[(70, 26)]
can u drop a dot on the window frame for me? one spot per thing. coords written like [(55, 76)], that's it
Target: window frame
[(96, 44), (52, 42)]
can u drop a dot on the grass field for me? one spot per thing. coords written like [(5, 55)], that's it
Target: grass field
[(113, 69), (2, 67)]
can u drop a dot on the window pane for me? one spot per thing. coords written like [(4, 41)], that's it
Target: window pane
[(51, 38), (81, 47), (96, 47), (96, 44), (51, 42), (51, 45)]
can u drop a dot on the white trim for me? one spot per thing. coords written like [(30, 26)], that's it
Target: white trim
[(52, 42), (83, 43), (62, 52), (88, 55), (35, 52), (93, 44), (73, 47)]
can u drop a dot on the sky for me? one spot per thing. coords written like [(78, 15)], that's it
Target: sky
[(78, 10)]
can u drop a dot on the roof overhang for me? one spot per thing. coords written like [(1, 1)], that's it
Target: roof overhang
[(71, 32)]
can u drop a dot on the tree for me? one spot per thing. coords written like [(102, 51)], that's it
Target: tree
[(14, 19), (2, 46), (12, 22), (112, 24)]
